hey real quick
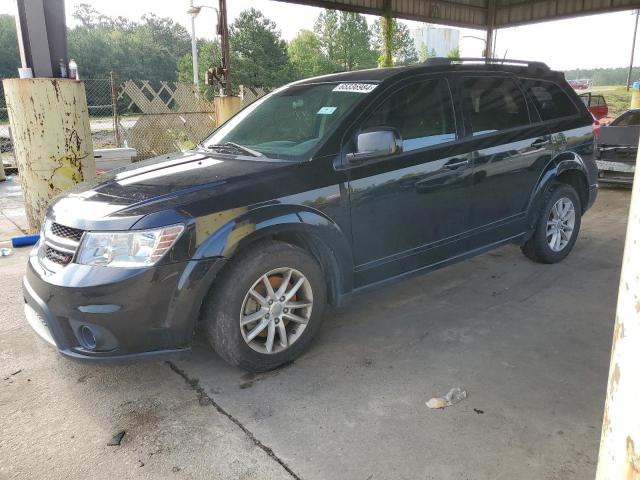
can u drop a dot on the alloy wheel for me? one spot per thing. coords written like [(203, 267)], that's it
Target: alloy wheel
[(276, 310), (560, 224)]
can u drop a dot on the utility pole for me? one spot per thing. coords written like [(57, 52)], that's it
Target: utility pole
[(223, 31), (633, 49)]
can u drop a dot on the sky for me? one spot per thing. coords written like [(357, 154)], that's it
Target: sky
[(584, 42)]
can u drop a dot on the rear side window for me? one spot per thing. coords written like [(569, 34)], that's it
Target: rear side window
[(421, 112), (550, 100), (597, 101), (493, 104)]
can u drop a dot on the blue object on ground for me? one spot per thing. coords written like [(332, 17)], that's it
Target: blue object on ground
[(25, 240)]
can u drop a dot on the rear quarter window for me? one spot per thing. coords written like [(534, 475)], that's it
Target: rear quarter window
[(550, 99)]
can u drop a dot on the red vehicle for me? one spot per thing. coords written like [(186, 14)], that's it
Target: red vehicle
[(596, 104), (580, 84)]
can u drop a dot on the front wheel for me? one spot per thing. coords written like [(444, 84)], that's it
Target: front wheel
[(266, 307), (557, 227)]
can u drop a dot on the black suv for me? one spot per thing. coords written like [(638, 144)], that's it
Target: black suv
[(323, 188)]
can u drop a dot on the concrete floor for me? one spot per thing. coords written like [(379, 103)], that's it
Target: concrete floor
[(529, 342)]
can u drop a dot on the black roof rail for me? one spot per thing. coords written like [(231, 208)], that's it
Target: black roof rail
[(501, 61)]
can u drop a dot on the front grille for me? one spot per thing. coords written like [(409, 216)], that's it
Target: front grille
[(69, 233), (57, 256)]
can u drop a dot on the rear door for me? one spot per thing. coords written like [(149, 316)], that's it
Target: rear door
[(508, 146)]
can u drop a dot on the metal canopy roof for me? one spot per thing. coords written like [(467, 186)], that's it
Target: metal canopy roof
[(478, 13)]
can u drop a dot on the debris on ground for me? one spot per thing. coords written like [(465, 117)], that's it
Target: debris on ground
[(5, 252), (116, 439), (454, 396), (478, 411)]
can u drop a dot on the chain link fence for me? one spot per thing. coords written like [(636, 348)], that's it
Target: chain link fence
[(157, 117), (153, 117), (6, 146)]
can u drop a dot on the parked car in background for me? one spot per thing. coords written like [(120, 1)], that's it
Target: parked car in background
[(580, 84), (596, 104), (617, 147), (322, 189)]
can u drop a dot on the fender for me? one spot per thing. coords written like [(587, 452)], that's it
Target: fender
[(559, 164), (225, 233)]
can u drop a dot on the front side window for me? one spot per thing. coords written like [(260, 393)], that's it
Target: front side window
[(291, 122), (493, 104), (422, 114), (551, 101)]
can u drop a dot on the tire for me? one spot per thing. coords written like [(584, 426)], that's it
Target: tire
[(230, 301), (539, 247)]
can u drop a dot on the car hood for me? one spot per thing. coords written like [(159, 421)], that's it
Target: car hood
[(117, 199)]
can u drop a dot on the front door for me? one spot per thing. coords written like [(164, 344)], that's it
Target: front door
[(409, 209)]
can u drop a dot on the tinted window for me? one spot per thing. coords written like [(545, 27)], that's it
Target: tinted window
[(422, 113), (627, 119), (550, 100), (289, 123), (493, 104)]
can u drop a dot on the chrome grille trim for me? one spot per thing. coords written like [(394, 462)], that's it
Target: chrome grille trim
[(58, 245), (68, 233)]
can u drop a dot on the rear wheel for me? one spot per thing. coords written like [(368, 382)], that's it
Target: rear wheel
[(266, 307), (558, 226)]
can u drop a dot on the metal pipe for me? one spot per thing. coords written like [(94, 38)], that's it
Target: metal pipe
[(194, 49)]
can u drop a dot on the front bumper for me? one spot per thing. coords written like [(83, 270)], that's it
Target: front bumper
[(132, 314)]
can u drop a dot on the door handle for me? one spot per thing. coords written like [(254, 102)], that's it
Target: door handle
[(541, 142), (454, 165)]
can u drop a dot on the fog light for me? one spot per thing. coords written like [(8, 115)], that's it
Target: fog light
[(88, 338)]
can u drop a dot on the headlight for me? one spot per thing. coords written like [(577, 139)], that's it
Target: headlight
[(140, 248)]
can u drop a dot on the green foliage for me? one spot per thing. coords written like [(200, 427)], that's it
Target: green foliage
[(604, 76), (9, 55), (423, 54), (149, 49), (258, 53), (345, 39), (454, 54), (209, 55), (307, 57), (403, 50)]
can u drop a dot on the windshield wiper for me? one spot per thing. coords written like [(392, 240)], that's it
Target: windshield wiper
[(233, 148)]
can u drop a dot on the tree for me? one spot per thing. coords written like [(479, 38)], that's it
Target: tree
[(454, 54), (345, 39), (10, 57), (149, 49), (209, 55), (258, 53), (423, 53), (307, 56), (403, 50)]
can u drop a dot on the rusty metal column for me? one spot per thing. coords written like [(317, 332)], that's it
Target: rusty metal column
[(51, 138), (620, 441), (387, 36)]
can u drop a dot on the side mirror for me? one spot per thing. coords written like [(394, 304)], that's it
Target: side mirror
[(373, 143)]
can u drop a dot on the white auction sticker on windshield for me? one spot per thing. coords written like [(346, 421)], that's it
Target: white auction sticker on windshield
[(355, 87), (327, 110)]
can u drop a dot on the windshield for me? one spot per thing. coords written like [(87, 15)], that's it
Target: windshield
[(288, 123)]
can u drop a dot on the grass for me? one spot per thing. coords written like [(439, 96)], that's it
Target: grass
[(617, 97)]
